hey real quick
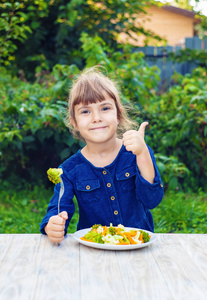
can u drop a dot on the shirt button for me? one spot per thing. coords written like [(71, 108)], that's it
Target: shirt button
[(112, 198), (88, 187), (116, 212), (109, 184), (127, 174), (104, 172)]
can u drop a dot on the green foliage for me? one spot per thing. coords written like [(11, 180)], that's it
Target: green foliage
[(21, 211), (197, 57), (172, 171), (201, 27), (53, 29), (33, 135), (17, 22), (178, 125), (181, 213)]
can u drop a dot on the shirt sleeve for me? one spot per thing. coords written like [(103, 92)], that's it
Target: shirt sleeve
[(151, 194), (66, 203)]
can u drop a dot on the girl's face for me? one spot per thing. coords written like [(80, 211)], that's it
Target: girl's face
[(96, 122)]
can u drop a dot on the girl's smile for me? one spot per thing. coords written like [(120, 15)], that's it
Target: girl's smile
[(98, 128)]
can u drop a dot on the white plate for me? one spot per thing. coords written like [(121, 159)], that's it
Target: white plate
[(80, 233)]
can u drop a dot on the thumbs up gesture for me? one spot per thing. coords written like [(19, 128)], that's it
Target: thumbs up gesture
[(134, 141)]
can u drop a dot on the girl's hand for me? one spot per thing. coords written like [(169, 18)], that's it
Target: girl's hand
[(55, 227), (133, 140)]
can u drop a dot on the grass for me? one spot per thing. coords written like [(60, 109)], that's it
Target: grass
[(22, 211), (181, 213)]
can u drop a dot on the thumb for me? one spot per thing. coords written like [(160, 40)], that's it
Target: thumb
[(142, 128), (63, 215)]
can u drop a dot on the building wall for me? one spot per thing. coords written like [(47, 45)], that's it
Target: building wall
[(169, 25)]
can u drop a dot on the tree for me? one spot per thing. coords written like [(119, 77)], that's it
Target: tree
[(54, 35), (17, 20)]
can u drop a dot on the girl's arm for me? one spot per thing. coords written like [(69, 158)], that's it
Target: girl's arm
[(66, 205), (134, 141)]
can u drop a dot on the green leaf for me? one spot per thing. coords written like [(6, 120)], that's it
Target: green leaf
[(65, 153), (28, 139), (205, 131), (44, 134), (161, 167), (58, 86), (49, 112), (173, 183), (69, 141), (11, 109)]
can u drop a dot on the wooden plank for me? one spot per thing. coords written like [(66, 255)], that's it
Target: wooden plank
[(178, 48), (183, 277), (142, 276), (178, 67), (141, 49), (193, 43), (189, 43), (149, 50), (197, 42), (5, 241), (19, 268), (174, 267), (167, 70), (59, 271), (35, 268), (101, 275), (196, 247)]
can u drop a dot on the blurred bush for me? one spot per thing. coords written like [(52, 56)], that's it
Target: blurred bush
[(178, 125), (33, 136)]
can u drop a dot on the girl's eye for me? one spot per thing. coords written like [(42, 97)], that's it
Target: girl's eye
[(105, 108), (84, 112)]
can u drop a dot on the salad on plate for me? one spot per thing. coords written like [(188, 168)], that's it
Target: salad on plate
[(116, 235)]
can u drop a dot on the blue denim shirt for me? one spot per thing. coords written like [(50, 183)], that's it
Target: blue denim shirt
[(115, 194)]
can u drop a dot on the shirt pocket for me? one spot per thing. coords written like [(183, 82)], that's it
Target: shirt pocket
[(126, 177), (89, 190)]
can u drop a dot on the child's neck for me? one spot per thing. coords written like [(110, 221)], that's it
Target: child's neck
[(102, 155)]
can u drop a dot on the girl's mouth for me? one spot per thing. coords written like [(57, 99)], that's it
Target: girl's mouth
[(98, 128)]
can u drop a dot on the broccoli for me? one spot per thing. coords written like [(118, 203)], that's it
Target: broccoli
[(112, 230), (96, 226), (54, 175), (146, 236)]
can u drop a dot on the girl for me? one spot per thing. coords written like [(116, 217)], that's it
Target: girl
[(114, 180)]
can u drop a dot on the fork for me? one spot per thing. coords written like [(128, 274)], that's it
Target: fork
[(62, 189), (60, 194)]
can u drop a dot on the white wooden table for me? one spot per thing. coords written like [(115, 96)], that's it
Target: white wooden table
[(173, 267)]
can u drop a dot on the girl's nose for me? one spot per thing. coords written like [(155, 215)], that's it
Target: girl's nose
[(96, 117)]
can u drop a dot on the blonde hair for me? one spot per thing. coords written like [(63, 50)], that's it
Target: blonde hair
[(92, 86)]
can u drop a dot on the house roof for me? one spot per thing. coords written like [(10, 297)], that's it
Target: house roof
[(181, 11)]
